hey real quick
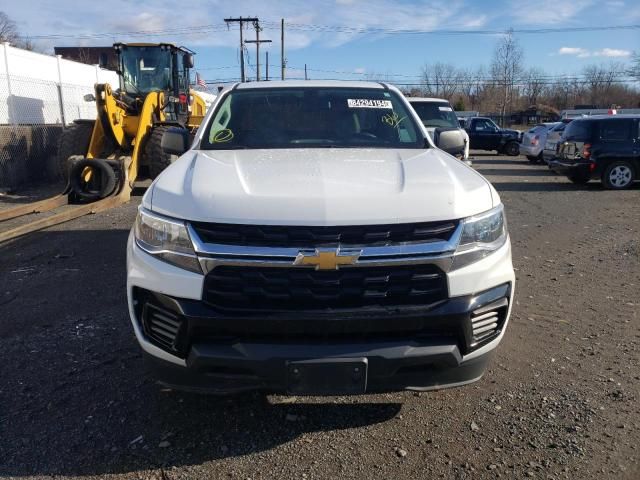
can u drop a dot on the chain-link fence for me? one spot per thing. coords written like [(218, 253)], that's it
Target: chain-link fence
[(31, 123), (37, 101)]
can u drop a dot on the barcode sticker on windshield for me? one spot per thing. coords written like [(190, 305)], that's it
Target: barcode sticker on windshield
[(368, 103), (445, 109)]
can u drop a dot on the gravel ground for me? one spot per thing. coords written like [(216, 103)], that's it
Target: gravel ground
[(560, 399)]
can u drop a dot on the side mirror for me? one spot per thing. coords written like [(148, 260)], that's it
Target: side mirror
[(175, 141), (188, 61), (451, 140), (103, 60)]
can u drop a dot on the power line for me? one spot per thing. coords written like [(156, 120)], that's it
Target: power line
[(197, 30), (202, 29), (457, 78), (387, 31)]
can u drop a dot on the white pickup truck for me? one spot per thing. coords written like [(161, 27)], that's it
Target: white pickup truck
[(313, 240), (437, 115)]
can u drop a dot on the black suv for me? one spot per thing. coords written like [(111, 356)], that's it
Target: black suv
[(603, 146)]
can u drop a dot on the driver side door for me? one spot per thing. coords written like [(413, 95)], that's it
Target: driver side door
[(483, 135)]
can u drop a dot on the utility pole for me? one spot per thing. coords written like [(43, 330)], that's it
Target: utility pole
[(305, 71), (257, 41), (282, 62), (266, 73), (241, 21)]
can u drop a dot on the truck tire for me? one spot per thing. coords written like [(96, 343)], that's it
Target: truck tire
[(512, 149), (535, 160), (157, 159), (618, 175), (579, 178), (73, 141)]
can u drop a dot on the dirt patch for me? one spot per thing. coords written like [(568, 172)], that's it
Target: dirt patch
[(560, 399)]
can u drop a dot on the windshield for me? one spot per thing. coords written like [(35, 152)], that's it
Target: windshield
[(436, 114), (579, 130), (312, 117), (145, 69)]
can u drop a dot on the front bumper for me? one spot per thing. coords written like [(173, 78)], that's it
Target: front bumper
[(410, 348)]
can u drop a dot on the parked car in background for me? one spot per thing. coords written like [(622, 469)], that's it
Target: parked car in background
[(436, 114), (484, 134), (553, 137), (534, 140), (605, 147)]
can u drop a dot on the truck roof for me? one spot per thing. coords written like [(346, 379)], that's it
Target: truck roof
[(312, 84), (608, 116), (427, 99)]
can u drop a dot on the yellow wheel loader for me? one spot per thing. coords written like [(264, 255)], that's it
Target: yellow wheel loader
[(101, 157)]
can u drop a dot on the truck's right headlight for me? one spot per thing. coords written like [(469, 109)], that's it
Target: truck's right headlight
[(482, 235), (166, 239)]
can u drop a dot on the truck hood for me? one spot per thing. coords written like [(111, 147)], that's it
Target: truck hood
[(319, 187)]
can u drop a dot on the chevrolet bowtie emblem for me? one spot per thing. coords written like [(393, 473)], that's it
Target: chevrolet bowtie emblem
[(327, 259)]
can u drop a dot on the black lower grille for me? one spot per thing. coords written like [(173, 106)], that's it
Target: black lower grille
[(301, 236), (487, 322), (162, 326), (261, 288)]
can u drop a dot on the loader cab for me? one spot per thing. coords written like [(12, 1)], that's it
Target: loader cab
[(145, 68)]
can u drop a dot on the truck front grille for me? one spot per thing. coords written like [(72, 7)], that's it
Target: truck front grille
[(305, 236), (263, 288)]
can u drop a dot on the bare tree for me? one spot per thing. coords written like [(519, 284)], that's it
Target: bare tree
[(478, 92), (8, 29), (84, 56), (506, 68), (533, 85), (441, 80), (465, 85), (27, 44), (634, 71), (430, 86), (599, 79)]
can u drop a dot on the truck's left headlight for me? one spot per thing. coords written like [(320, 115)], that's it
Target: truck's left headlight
[(166, 239), (482, 235)]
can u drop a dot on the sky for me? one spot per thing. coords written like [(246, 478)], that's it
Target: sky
[(311, 36)]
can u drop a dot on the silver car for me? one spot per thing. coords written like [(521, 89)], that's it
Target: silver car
[(534, 140), (553, 137)]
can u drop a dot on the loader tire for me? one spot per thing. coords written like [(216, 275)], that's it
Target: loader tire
[(157, 158), (73, 141), (101, 185)]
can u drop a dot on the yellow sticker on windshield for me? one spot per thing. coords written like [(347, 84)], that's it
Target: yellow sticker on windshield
[(222, 136), (392, 119)]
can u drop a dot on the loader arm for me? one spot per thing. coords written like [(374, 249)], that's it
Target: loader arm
[(150, 114), (110, 124)]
